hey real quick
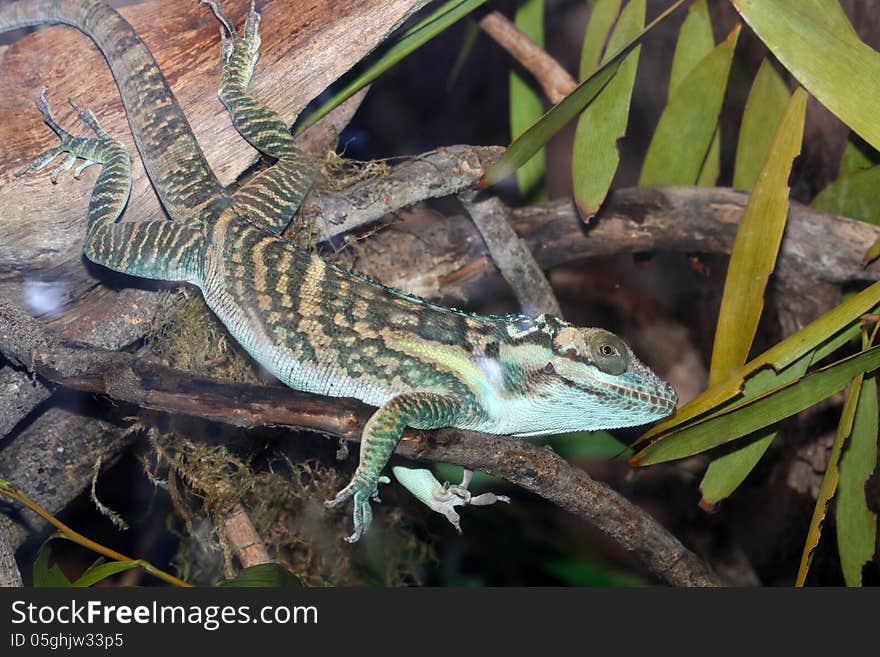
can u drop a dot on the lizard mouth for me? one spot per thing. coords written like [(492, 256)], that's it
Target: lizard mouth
[(662, 402)]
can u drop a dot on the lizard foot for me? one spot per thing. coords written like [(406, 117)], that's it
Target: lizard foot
[(443, 498), (362, 490), (92, 150), (233, 44)]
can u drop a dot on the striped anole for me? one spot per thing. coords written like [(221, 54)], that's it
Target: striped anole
[(316, 327)]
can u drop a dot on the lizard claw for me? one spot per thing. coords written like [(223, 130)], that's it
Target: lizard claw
[(92, 150), (362, 491)]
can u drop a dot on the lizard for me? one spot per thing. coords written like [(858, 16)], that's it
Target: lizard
[(315, 326)]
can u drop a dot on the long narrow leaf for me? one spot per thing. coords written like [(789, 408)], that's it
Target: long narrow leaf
[(856, 523), (814, 40), (101, 570), (830, 479), (695, 41), (594, 156), (854, 195), (756, 414), (756, 247), (752, 261), (527, 105), (569, 107), (687, 125), (601, 19), (767, 100), (401, 46)]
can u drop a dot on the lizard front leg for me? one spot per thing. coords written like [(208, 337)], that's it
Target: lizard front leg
[(420, 410), (271, 198)]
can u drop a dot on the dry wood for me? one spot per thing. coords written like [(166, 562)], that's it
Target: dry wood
[(244, 539)]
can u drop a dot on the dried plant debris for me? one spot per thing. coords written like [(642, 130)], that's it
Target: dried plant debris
[(283, 499), (192, 339)]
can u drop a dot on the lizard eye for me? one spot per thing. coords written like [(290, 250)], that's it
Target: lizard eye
[(607, 350), (549, 369), (608, 353)]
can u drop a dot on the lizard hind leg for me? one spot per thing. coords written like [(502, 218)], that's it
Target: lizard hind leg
[(271, 198)]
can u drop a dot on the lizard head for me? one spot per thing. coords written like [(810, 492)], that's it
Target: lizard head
[(586, 379)]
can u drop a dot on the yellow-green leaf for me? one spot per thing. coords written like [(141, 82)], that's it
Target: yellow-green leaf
[(855, 195), (756, 414), (756, 247), (830, 479), (601, 19), (687, 125), (767, 100), (814, 40), (397, 47), (829, 328), (856, 523), (101, 570), (594, 153), (726, 472), (527, 105), (857, 156), (45, 575), (711, 167), (695, 41), (564, 111)]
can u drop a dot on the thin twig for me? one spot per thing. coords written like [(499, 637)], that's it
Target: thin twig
[(513, 258), (128, 379), (554, 80)]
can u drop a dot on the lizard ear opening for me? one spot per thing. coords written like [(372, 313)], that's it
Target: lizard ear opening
[(569, 341)]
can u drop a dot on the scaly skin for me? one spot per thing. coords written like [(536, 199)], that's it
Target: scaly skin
[(316, 327)]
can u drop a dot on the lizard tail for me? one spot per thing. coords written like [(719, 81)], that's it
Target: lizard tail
[(172, 157)]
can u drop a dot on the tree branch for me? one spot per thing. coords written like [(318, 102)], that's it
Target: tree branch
[(441, 172), (126, 378), (554, 80)]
